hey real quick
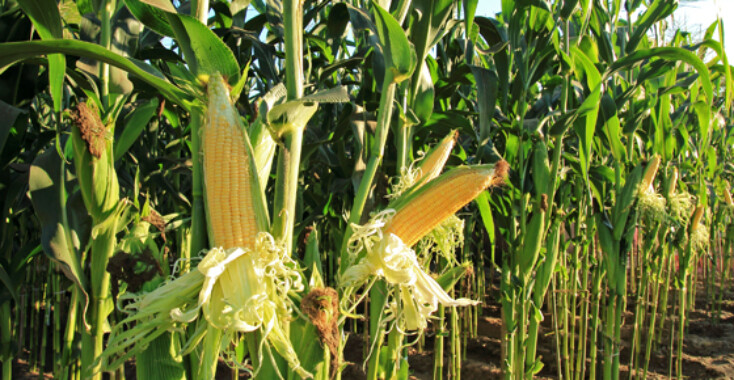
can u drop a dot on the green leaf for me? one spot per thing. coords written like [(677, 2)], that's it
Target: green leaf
[(289, 116), (584, 68), (312, 257), (449, 278), (658, 10), (338, 20), (135, 124), (433, 16), (10, 285), (612, 127), (204, 51), (13, 52), (626, 200), (296, 113), (537, 365), (8, 115), (667, 53), (487, 220), (568, 7), (398, 52), (729, 94), (152, 17), (486, 82), (46, 19), (61, 240)]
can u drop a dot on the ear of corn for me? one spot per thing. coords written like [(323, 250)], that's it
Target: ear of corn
[(94, 162), (419, 212), (426, 169), (650, 171), (434, 161), (697, 215), (672, 181), (727, 195), (234, 200)]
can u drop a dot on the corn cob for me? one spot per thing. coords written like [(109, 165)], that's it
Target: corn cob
[(228, 179), (423, 210), (673, 182), (650, 171), (727, 195), (434, 161), (697, 215)]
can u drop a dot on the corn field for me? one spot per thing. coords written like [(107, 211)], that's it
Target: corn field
[(295, 189)]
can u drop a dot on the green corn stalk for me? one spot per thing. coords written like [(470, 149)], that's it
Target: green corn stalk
[(623, 218), (94, 162)]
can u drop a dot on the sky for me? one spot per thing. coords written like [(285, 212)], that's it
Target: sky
[(694, 13)]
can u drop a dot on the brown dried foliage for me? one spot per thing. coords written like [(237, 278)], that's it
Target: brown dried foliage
[(321, 305), (156, 220)]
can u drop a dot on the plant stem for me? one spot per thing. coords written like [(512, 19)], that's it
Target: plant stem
[(384, 114), (438, 344), (198, 213), (289, 159), (105, 39), (200, 10), (378, 299), (102, 249), (5, 329)]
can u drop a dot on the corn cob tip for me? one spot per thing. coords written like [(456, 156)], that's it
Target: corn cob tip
[(501, 170), (433, 162), (91, 128)]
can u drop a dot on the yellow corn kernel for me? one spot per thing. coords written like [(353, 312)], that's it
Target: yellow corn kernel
[(432, 164), (441, 198), (229, 192)]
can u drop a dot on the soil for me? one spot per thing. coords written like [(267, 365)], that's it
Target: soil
[(708, 351)]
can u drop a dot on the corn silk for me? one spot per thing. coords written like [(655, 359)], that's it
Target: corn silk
[(237, 290), (386, 256)]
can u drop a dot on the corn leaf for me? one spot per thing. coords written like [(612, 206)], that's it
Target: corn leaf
[(399, 53), (667, 53), (151, 16), (13, 52), (658, 10), (205, 52), (62, 238), (136, 122), (46, 19)]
